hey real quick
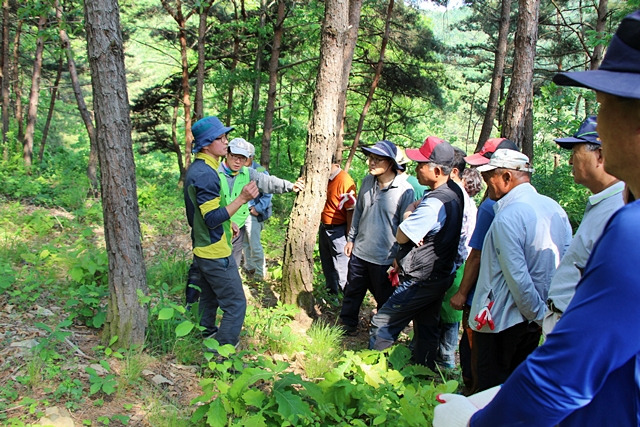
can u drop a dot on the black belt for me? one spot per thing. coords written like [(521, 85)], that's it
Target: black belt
[(332, 226), (553, 307)]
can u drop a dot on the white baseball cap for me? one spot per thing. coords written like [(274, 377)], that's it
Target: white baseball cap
[(507, 159)]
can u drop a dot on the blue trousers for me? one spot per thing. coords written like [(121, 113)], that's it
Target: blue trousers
[(221, 287), (419, 301)]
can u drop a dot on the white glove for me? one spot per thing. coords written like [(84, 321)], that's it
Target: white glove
[(457, 410)]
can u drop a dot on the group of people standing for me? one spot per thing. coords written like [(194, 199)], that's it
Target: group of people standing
[(227, 197)]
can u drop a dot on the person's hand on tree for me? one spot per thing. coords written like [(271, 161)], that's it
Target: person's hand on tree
[(249, 191), (298, 186)]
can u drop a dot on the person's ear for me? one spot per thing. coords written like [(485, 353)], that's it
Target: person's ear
[(599, 156)]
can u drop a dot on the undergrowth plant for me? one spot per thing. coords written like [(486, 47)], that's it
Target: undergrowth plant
[(365, 388), (323, 349)]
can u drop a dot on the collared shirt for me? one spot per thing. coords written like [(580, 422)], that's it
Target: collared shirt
[(376, 217), (599, 209), (529, 235), (587, 373)]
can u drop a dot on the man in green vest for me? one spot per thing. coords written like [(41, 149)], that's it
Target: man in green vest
[(234, 175)]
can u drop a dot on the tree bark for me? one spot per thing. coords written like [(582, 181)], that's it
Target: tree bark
[(126, 316), (598, 51), (17, 80), (52, 104), (521, 87), (297, 271), (235, 58), (181, 19), (374, 85), (4, 75), (278, 30), (34, 96), (257, 79), (92, 165), (199, 100), (355, 7), (497, 75)]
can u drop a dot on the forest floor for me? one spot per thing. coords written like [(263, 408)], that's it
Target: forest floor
[(30, 380)]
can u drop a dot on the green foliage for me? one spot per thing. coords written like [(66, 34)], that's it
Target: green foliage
[(106, 384), (268, 327), (322, 350), (365, 388)]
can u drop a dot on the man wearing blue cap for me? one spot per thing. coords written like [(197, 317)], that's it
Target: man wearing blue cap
[(587, 165), (208, 213), (587, 373), (371, 243), (426, 260)]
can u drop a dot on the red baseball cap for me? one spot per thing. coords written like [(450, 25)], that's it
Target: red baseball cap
[(434, 150), (490, 146)]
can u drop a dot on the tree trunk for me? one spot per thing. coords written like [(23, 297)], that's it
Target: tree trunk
[(126, 316), (355, 7), (232, 81), (601, 23), (521, 87), (497, 75), (34, 96), (257, 79), (17, 80), (278, 30), (297, 271), (52, 104), (174, 139), (199, 100), (181, 20), (374, 85), (92, 165), (4, 74)]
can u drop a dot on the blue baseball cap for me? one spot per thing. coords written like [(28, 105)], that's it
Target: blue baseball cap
[(619, 72), (384, 148), (207, 130), (586, 134)]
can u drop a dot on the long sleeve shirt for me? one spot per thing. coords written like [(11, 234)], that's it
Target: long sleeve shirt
[(599, 209), (587, 373), (527, 238)]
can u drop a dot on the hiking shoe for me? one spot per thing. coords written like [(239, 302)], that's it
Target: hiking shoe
[(348, 330)]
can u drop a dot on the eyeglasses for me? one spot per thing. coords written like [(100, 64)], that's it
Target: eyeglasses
[(222, 137), (375, 159), (237, 157)]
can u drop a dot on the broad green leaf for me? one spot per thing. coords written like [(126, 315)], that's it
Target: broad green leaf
[(98, 319), (253, 397), (165, 314), (216, 415), (184, 328), (256, 420), (291, 406)]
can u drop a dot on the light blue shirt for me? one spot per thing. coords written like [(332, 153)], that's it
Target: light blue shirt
[(599, 209), (527, 238)]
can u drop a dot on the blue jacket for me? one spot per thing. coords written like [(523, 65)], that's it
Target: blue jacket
[(587, 373)]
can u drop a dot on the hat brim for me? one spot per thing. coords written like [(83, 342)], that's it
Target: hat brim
[(476, 159), (486, 168), (415, 155), (378, 152), (626, 85)]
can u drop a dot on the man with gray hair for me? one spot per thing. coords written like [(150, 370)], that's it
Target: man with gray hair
[(527, 238)]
